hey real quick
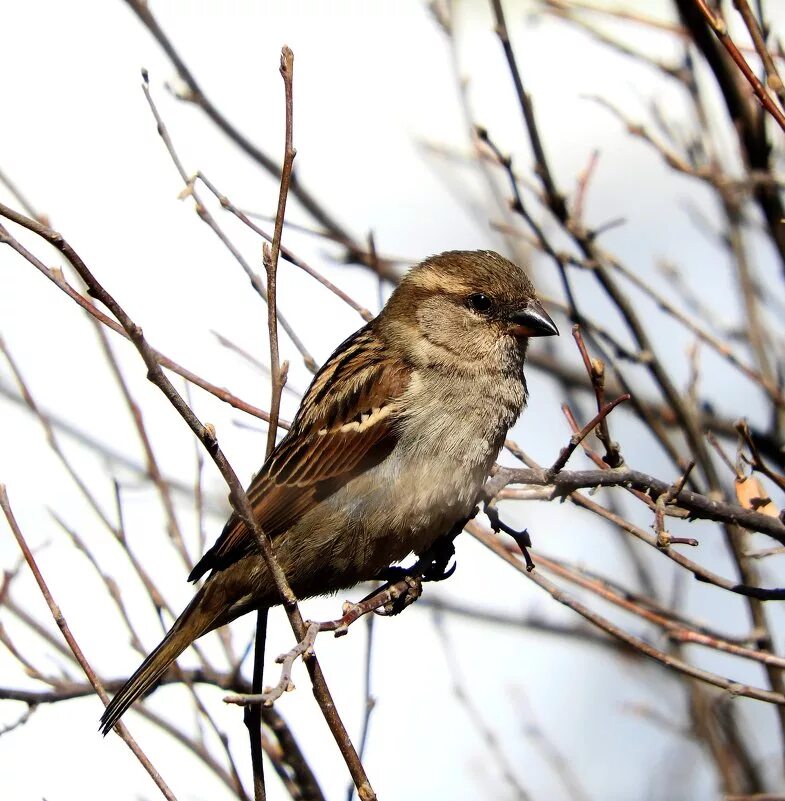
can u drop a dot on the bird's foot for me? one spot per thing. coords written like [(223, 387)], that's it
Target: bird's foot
[(432, 565), (401, 597), (404, 584), (522, 538)]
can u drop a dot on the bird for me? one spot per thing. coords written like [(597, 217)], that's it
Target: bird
[(390, 448)]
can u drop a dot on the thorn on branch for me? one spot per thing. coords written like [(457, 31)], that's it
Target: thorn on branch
[(671, 496), (522, 538)]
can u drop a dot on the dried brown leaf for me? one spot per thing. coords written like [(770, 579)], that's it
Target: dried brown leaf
[(751, 495)]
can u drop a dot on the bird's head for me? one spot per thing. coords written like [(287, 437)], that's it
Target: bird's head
[(465, 308)]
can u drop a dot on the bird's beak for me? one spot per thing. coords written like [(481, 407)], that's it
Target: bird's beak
[(533, 321)]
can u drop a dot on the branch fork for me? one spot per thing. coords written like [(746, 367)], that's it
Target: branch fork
[(389, 599)]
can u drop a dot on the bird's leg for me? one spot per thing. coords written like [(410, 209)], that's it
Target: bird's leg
[(522, 538), (431, 566), (433, 563), (392, 574)]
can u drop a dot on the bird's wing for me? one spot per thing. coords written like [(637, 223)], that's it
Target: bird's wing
[(328, 444)]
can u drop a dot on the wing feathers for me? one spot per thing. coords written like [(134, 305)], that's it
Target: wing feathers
[(346, 424)]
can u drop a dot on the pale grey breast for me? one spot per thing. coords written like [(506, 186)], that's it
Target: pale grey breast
[(448, 440)]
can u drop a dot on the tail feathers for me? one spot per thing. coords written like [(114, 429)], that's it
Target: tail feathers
[(187, 628)]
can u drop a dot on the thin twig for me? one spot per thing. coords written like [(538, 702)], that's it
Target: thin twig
[(58, 279), (253, 715), (237, 495), (197, 96), (204, 214), (576, 439), (756, 34), (74, 646), (720, 28), (734, 688), (694, 504), (595, 369)]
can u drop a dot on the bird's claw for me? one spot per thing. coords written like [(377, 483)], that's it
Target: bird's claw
[(438, 571), (433, 564), (406, 598)]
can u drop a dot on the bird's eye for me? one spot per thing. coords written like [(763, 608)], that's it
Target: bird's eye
[(479, 302)]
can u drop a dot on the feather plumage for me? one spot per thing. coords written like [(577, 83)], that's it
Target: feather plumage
[(325, 446), (389, 449)]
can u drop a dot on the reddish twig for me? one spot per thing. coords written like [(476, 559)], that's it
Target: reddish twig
[(720, 28), (759, 42), (57, 278), (237, 495), (583, 185), (676, 630), (153, 470), (595, 369), (732, 687), (74, 646), (576, 439), (757, 462)]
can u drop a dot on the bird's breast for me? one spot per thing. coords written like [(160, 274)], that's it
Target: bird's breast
[(449, 432), (459, 419), (448, 439)]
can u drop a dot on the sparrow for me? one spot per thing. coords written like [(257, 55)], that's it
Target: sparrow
[(389, 449)]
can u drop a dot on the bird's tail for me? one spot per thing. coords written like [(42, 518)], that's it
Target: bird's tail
[(192, 624)]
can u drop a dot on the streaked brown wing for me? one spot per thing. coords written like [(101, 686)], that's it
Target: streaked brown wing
[(327, 445)]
